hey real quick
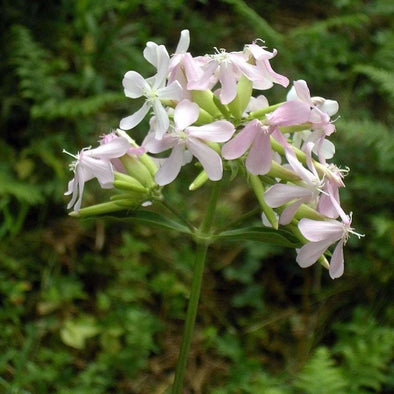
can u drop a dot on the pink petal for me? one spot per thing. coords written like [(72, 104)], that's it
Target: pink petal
[(288, 213), (115, 148), (302, 91), (336, 264), (209, 159), (318, 230), (290, 113), (218, 131), (310, 252), (185, 114), (241, 142), (280, 194), (228, 82), (259, 158)]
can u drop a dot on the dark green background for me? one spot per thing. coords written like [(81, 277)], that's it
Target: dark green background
[(97, 306)]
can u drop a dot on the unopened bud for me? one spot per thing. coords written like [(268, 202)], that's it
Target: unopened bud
[(205, 100), (241, 101), (200, 180)]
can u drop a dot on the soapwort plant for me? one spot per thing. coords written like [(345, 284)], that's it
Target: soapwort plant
[(211, 110)]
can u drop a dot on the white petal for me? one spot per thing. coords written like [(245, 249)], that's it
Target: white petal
[(171, 167), (209, 159), (171, 92), (184, 42), (134, 84), (185, 114), (330, 107), (133, 120), (162, 122)]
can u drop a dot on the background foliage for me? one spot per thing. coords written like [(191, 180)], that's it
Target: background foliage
[(97, 307)]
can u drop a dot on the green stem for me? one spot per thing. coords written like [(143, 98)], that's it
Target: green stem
[(203, 239)]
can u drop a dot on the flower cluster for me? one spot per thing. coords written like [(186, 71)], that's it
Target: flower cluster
[(203, 107)]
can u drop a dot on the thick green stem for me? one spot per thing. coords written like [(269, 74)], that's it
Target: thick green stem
[(203, 239)]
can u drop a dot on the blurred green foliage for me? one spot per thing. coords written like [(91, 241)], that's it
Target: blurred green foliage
[(97, 307)]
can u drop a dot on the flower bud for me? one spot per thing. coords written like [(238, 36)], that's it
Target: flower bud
[(205, 100), (138, 170), (98, 209), (244, 92), (200, 180)]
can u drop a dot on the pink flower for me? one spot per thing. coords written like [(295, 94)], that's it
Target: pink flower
[(321, 235), (228, 67), (256, 137), (186, 138), (305, 191), (94, 163)]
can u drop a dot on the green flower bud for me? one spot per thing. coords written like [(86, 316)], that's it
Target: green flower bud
[(98, 209), (244, 92), (200, 180), (205, 100), (137, 169)]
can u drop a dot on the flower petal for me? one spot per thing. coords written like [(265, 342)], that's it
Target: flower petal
[(162, 122), (228, 81), (171, 92), (209, 159), (280, 194), (134, 84), (302, 91), (133, 120), (185, 114), (310, 252), (184, 42), (290, 113), (259, 158), (318, 230), (117, 147), (171, 167), (218, 131), (241, 142), (336, 264)]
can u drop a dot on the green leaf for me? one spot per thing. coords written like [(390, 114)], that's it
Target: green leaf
[(76, 332), (149, 217), (261, 234)]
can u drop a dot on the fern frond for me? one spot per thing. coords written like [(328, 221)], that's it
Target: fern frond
[(354, 21), (383, 78), (32, 66), (74, 107), (320, 375), (366, 349)]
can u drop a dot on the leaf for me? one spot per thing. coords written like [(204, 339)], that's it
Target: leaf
[(149, 217), (76, 332), (261, 234)]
